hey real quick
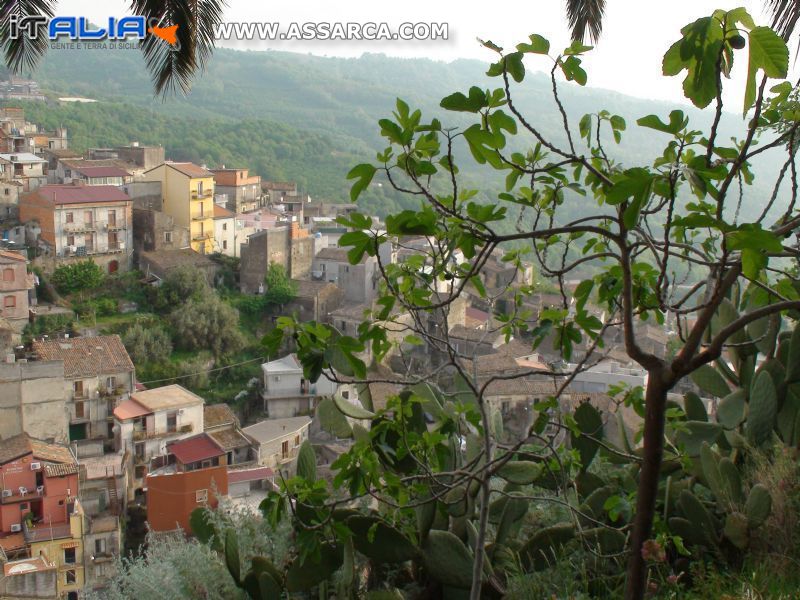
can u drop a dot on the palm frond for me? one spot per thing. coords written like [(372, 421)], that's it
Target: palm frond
[(784, 15), (586, 16), (25, 51), (172, 68)]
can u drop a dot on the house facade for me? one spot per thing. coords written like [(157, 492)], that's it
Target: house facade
[(149, 419), (277, 441), (242, 191), (33, 399), (225, 231), (287, 393), (16, 285), (98, 374), (290, 246), (359, 282), (75, 222), (188, 196)]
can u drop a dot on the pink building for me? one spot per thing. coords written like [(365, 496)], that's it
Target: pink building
[(37, 478)]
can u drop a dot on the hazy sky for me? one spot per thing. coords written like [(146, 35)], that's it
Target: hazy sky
[(627, 59)]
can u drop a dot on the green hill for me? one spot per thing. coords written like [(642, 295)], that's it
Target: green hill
[(309, 118)]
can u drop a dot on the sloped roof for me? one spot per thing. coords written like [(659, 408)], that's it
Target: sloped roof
[(130, 409), (22, 157), (220, 212), (521, 387), (166, 397), (81, 194), (195, 448), (11, 255), (288, 363), (239, 475), (331, 253), (190, 169), (271, 429), (86, 356), (169, 259), (228, 439), (22, 444), (101, 171), (215, 415)]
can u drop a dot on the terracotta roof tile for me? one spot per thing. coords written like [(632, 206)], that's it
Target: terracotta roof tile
[(193, 449), (86, 356), (60, 470), (22, 444), (228, 439), (215, 415), (190, 169), (81, 194), (239, 475)]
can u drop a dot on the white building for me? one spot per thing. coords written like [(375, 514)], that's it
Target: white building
[(276, 442), (225, 231), (287, 393), (146, 422), (599, 377)]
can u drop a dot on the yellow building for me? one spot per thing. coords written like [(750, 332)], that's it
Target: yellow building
[(187, 194), (62, 545)]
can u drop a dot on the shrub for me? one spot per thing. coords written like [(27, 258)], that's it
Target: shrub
[(207, 324), (147, 344), (78, 277)]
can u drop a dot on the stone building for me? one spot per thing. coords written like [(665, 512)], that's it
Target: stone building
[(16, 286), (154, 230), (359, 282), (289, 246), (33, 399), (98, 373)]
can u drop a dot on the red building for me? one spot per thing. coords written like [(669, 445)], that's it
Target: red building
[(195, 475), (37, 478)]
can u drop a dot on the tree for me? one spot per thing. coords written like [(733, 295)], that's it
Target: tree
[(147, 344), (78, 277), (586, 16), (688, 207), (207, 324), (171, 567), (279, 289), (171, 65), (181, 284)]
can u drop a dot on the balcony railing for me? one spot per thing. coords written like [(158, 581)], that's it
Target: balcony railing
[(202, 195), (201, 236), (200, 216), (140, 435)]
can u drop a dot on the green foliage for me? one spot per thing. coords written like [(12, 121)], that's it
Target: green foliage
[(77, 277), (208, 324), (279, 289), (181, 285), (147, 344)]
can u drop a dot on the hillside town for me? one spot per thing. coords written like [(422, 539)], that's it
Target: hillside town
[(86, 449)]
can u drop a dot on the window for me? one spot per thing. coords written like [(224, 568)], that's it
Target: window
[(69, 577), (10, 302), (172, 422), (6, 191), (205, 464), (112, 217), (111, 382), (77, 388), (296, 440), (8, 274), (224, 227), (23, 506), (70, 240), (199, 188), (224, 244), (69, 556), (70, 218), (99, 546), (167, 237), (346, 395), (285, 449), (79, 410), (201, 496), (87, 217)]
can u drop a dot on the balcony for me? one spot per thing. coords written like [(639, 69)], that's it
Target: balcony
[(80, 227), (40, 533), (201, 236), (141, 435), (202, 195), (200, 216)]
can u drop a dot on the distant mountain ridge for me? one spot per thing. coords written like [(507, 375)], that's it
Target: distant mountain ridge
[(337, 100)]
